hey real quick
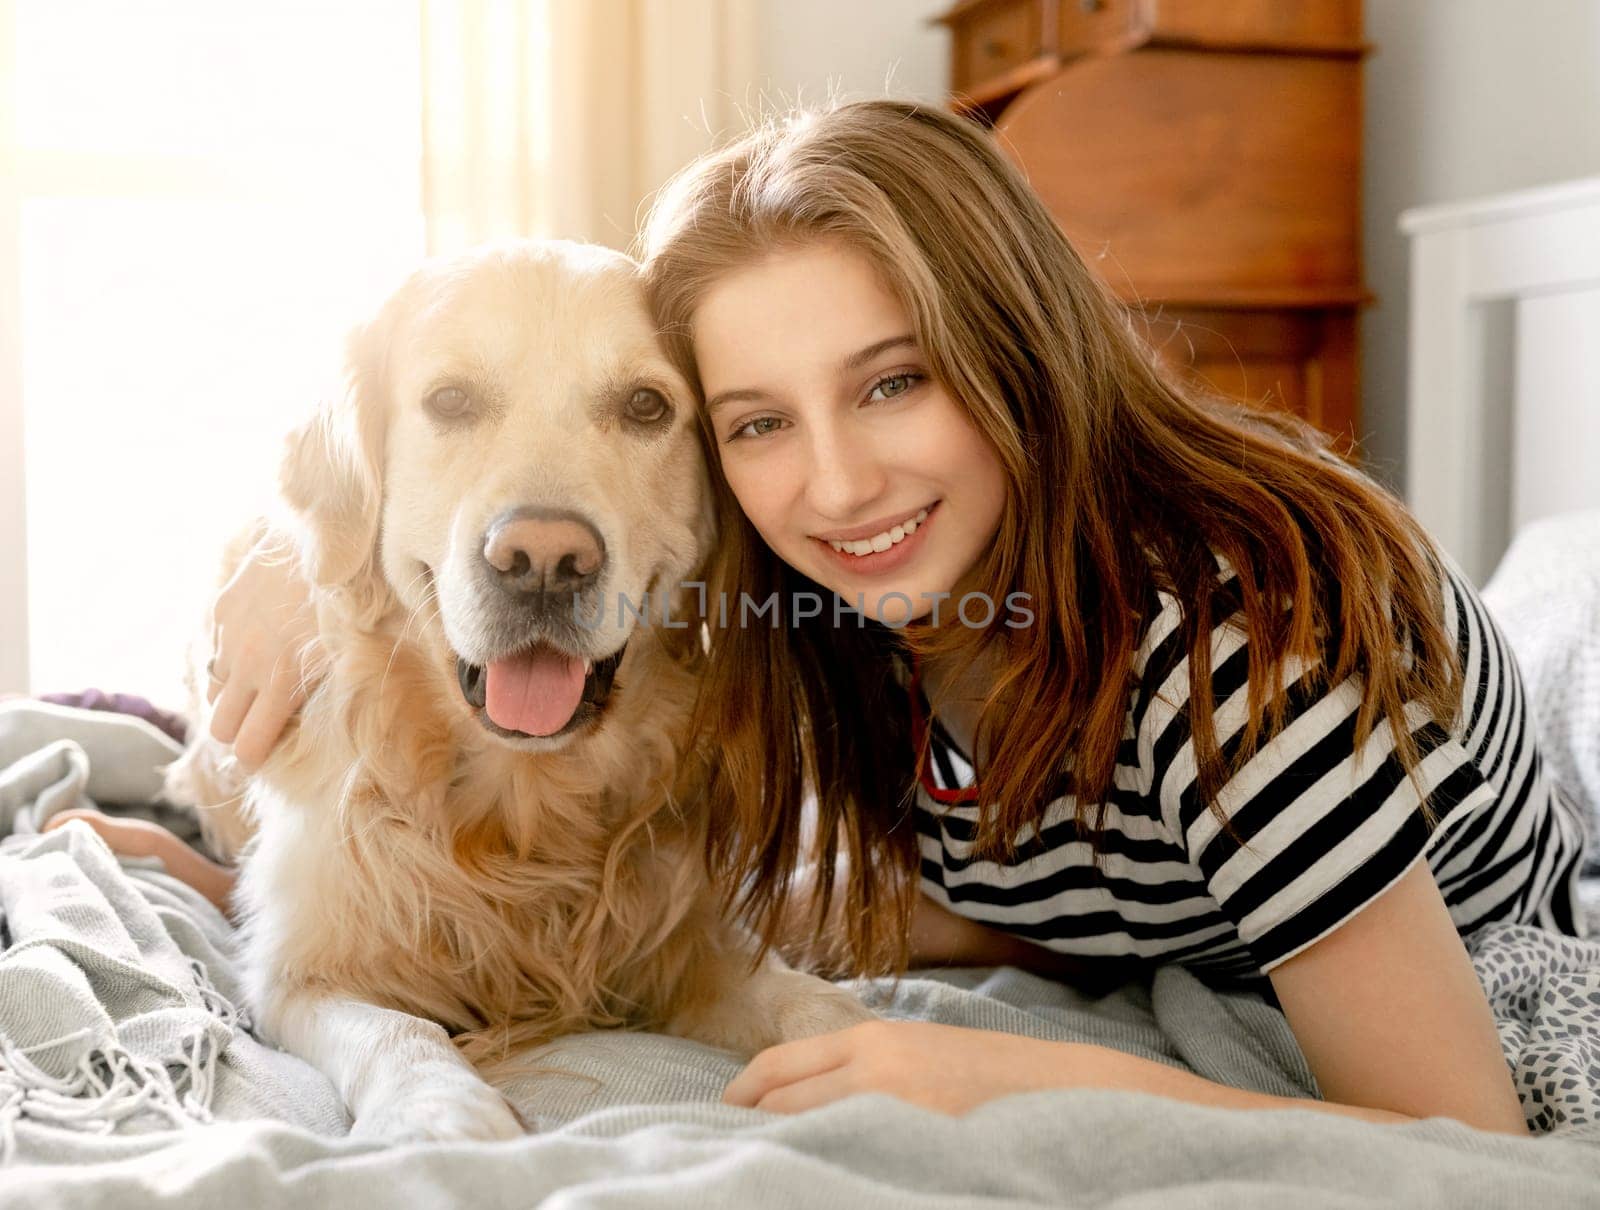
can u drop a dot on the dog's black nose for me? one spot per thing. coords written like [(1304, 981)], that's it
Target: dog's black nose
[(533, 551)]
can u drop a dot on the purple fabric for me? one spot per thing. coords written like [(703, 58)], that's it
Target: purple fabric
[(123, 703)]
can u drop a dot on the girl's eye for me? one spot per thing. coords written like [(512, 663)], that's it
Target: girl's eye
[(753, 428), (892, 385)]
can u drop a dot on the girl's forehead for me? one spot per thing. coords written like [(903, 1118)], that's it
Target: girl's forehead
[(819, 293)]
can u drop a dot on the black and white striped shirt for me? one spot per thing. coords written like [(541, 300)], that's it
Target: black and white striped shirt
[(1327, 828)]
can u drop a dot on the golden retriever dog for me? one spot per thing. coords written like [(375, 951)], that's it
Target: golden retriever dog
[(468, 841)]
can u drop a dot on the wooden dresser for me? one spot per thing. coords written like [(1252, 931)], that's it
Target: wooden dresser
[(1205, 157)]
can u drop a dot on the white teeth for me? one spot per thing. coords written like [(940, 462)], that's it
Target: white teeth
[(883, 541)]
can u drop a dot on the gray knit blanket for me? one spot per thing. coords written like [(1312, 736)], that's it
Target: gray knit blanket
[(130, 1076)]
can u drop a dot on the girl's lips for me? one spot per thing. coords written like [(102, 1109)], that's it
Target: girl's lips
[(880, 562)]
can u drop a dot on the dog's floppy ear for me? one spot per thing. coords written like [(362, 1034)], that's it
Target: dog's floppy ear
[(332, 470)]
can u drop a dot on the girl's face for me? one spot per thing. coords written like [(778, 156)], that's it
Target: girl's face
[(849, 458)]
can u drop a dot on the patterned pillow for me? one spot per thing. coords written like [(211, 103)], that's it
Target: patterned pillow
[(1545, 596)]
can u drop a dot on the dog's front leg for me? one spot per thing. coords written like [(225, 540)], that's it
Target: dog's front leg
[(753, 1010), (399, 1074)]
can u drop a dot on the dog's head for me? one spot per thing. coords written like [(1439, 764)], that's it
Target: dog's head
[(515, 457)]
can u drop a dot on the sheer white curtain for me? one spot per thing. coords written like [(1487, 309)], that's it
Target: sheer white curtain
[(561, 117), (13, 526), (207, 193), (203, 195)]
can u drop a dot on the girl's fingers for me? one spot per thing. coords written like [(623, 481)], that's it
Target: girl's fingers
[(130, 837), (250, 713), (230, 712), (778, 1066), (807, 1094), (90, 815), (268, 716)]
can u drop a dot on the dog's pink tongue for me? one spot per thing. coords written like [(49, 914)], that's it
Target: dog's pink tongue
[(536, 692)]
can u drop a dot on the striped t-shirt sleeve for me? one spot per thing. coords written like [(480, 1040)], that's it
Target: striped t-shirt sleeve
[(1326, 826)]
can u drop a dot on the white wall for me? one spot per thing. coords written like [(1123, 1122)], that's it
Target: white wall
[(1464, 98), (860, 48)]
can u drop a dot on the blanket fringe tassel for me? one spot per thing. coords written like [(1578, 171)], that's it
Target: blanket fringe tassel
[(110, 1084)]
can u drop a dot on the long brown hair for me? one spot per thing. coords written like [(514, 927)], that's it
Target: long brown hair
[(1123, 481)]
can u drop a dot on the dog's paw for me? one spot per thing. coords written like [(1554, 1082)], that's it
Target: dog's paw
[(773, 1005), (808, 1006), (458, 1107)]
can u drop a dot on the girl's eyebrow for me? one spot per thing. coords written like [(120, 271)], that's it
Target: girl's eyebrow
[(745, 394), (856, 360), (853, 362)]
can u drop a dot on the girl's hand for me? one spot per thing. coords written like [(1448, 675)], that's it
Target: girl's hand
[(263, 624), (143, 838), (940, 1067)]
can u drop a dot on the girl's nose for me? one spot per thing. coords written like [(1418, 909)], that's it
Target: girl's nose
[(846, 475)]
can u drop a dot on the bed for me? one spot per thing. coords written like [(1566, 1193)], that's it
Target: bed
[(1503, 404), (130, 1073)]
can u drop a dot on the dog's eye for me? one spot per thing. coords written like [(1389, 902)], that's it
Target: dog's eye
[(449, 402), (647, 406)]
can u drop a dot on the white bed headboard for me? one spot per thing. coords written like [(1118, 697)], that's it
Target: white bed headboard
[(1503, 424)]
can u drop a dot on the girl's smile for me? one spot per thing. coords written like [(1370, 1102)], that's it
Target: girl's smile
[(875, 551)]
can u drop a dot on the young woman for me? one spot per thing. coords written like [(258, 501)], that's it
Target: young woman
[(1105, 673)]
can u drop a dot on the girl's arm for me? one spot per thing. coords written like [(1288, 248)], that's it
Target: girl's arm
[(939, 937), (1389, 1013), (1386, 1008), (143, 838)]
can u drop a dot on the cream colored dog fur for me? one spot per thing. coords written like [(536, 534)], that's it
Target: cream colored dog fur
[(423, 894)]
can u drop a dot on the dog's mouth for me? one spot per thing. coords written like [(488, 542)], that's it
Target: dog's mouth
[(540, 691)]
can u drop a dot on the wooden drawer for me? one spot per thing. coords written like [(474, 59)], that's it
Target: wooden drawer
[(1300, 360), (1099, 27), (1307, 25), (997, 47), (1000, 47), (991, 40), (1198, 175)]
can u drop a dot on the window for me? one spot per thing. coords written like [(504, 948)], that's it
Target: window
[(207, 196)]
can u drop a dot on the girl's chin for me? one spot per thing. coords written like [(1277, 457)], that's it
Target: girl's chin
[(893, 606)]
